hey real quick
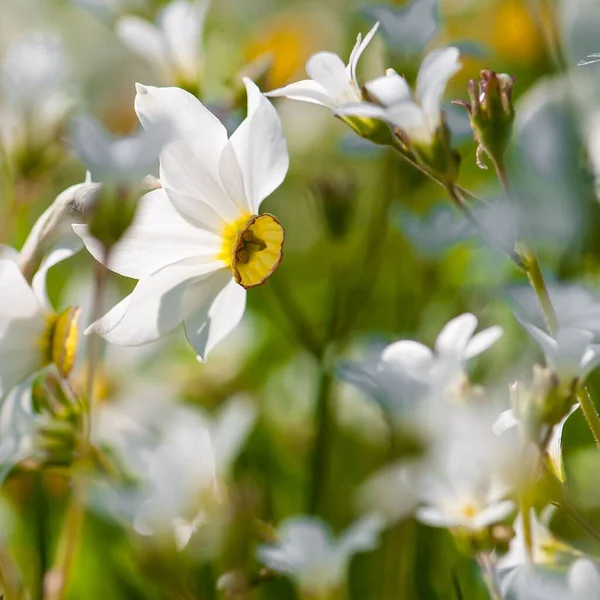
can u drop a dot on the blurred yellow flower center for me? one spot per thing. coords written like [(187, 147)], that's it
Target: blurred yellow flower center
[(469, 510), (253, 247), (60, 338)]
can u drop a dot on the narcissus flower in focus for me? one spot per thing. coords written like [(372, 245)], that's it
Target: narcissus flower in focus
[(332, 83), (32, 335), (173, 44), (198, 243)]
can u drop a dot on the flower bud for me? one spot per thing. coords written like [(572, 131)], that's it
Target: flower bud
[(491, 113)]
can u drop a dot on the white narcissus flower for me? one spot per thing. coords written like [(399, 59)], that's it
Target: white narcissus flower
[(332, 83), (198, 243), (418, 117), (173, 44), (440, 370), (570, 352), (32, 335), (307, 551)]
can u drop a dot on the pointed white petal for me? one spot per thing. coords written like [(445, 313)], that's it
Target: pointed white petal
[(260, 148), (213, 308), (306, 90), (547, 343), (185, 174), (433, 517), (436, 70), (572, 346), (390, 89), (358, 49), (158, 236), (361, 536), (482, 341), (590, 361), (191, 121), (181, 23), (410, 357), (92, 144), (145, 40), (155, 306), (454, 337), (328, 69), (232, 177)]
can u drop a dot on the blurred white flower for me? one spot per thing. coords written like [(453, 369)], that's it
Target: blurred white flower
[(331, 84), (570, 352), (33, 89), (32, 335), (307, 551), (173, 44), (442, 370), (420, 117), (117, 160), (181, 455), (198, 243)]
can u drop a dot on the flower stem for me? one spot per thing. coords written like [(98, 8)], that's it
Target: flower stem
[(487, 571), (589, 412), (57, 579)]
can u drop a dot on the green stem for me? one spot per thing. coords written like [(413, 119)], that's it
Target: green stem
[(589, 412), (322, 447), (537, 282)]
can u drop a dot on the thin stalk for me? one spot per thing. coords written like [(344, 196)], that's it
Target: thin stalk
[(489, 576), (322, 448), (57, 579), (538, 10), (589, 412)]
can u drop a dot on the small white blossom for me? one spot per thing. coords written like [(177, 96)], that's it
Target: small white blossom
[(418, 117), (173, 44), (307, 551), (332, 83), (571, 352), (442, 369)]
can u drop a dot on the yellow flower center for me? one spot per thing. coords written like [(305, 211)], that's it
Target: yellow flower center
[(469, 510), (252, 247), (59, 341)]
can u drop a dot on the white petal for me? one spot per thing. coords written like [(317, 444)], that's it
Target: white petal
[(213, 307), (92, 144), (455, 335), (197, 212), (190, 119), (364, 109), (436, 70), (260, 147), (433, 517), (63, 250), (482, 341), (505, 421), (361, 536), (572, 345), (358, 49), (410, 357), (184, 173), (584, 579), (20, 351), (182, 22), (158, 236), (306, 90), (494, 513), (232, 177), (591, 360), (547, 343), (17, 300), (390, 89), (145, 39), (328, 69), (410, 118), (155, 306)]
